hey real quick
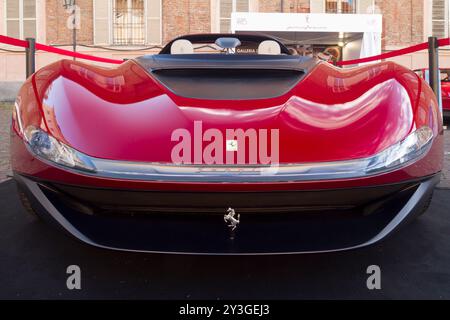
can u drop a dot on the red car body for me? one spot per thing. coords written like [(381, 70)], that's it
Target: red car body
[(126, 115)]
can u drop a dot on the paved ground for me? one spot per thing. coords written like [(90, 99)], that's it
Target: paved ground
[(445, 179), (415, 263), (5, 120)]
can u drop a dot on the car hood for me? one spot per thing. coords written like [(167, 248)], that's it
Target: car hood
[(129, 114)]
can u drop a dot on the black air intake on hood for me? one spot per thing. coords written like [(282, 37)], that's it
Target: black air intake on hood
[(227, 77)]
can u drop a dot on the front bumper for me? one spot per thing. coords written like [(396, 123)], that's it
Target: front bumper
[(277, 222)]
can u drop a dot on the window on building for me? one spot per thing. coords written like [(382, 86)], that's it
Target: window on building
[(21, 18), (127, 22), (340, 6), (440, 18), (226, 7)]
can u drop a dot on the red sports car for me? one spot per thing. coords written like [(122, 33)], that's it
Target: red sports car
[(445, 88), (226, 144)]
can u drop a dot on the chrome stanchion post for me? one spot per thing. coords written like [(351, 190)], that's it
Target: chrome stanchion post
[(434, 73), (433, 64), (30, 56)]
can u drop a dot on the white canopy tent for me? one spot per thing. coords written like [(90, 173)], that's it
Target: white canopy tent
[(306, 27)]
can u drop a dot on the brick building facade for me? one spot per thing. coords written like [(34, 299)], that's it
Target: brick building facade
[(403, 20), (56, 22)]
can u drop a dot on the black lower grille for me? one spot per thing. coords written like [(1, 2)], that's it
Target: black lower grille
[(266, 232), (132, 202)]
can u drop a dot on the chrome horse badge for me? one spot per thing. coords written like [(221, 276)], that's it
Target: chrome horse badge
[(231, 219)]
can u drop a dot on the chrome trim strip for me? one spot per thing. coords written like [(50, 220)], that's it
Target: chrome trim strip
[(242, 173), (153, 171)]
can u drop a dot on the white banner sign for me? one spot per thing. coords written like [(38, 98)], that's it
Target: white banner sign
[(312, 22)]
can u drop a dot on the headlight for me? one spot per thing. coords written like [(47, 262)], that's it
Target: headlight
[(47, 147), (412, 147)]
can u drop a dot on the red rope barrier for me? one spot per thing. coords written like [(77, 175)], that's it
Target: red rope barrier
[(40, 46), (13, 41), (444, 42), (417, 47)]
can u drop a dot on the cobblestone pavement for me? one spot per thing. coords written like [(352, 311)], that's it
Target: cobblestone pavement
[(5, 118), (445, 179)]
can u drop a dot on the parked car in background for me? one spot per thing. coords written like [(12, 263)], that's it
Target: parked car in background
[(445, 88)]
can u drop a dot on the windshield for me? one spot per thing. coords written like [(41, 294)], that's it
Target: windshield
[(246, 47), (218, 43)]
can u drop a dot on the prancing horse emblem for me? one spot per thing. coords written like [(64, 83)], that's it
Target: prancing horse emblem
[(231, 219)]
